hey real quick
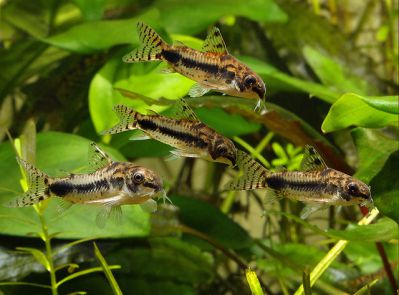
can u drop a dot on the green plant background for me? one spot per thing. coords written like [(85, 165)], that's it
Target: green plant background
[(331, 71)]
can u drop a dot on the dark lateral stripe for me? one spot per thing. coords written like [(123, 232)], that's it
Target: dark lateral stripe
[(182, 136), (193, 64), (278, 182), (63, 188), (171, 56)]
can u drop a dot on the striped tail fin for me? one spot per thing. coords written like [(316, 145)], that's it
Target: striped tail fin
[(150, 49), (37, 186), (127, 120), (254, 174)]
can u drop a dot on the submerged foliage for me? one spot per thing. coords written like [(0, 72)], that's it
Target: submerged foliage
[(331, 71)]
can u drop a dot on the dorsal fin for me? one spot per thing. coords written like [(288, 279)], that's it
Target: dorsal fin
[(214, 42), (184, 111), (312, 161), (254, 174), (97, 157)]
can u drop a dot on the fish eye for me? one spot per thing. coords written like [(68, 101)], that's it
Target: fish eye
[(138, 177), (249, 80), (353, 188), (221, 150)]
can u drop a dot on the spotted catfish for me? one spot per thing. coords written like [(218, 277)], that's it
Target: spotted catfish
[(189, 136), (111, 185), (316, 185), (213, 68)]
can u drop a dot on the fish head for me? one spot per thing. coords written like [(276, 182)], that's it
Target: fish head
[(223, 150), (357, 191), (250, 85), (144, 182)]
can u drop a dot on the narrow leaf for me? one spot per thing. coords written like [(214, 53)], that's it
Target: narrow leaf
[(108, 273), (39, 256), (253, 282)]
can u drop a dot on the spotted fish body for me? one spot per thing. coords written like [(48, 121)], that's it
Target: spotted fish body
[(317, 185), (213, 67), (111, 185), (190, 137)]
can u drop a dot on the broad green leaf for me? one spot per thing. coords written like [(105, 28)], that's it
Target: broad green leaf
[(388, 104), (374, 149), (107, 270), (209, 220), (61, 152), (384, 229), (142, 78), (94, 36), (91, 10), (39, 256), (195, 16), (352, 110), (335, 75)]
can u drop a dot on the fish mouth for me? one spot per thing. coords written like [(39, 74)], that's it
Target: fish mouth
[(156, 187), (232, 160), (260, 91)]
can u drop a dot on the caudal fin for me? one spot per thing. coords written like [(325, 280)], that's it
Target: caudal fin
[(151, 47), (254, 174), (37, 186), (127, 120)]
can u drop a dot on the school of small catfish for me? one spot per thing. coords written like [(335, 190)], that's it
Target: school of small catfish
[(112, 184)]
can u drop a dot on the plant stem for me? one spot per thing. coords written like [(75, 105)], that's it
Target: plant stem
[(45, 237)]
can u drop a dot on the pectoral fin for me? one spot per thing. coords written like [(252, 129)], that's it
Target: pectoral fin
[(62, 205), (310, 209), (139, 135), (149, 206), (109, 212), (198, 90), (181, 153)]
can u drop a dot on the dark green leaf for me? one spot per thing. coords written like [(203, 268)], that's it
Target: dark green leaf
[(209, 220), (385, 188), (374, 148), (184, 262)]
